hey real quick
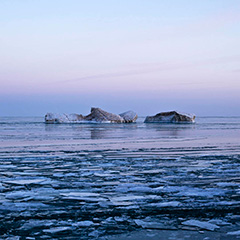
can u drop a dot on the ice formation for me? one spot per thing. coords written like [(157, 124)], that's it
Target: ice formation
[(171, 117), (96, 115)]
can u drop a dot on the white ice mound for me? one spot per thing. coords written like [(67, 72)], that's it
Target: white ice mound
[(63, 118), (96, 115), (129, 116), (99, 115), (171, 117)]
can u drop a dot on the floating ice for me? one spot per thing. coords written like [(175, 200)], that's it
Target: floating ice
[(83, 196), (227, 184), (97, 115), (150, 225), (25, 181), (57, 230), (235, 233), (1, 186), (18, 195), (22, 206), (219, 222), (80, 194), (201, 224), (120, 219), (126, 198), (171, 117), (62, 118), (142, 189), (129, 116), (227, 203), (165, 204), (94, 234), (36, 223), (83, 224)]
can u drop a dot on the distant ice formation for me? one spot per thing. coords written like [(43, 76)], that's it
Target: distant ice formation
[(97, 115), (171, 117)]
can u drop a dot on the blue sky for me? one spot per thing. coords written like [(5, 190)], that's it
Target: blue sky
[(148, 56)]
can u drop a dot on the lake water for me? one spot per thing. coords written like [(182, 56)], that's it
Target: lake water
[(91, 181)]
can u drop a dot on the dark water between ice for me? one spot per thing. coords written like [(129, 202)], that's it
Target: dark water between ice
[(88, 181)]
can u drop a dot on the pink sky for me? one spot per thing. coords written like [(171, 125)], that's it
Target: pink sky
[(148, 51)]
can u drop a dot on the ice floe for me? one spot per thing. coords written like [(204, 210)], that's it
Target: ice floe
[(234, 233), (201, 224), (171, 117)]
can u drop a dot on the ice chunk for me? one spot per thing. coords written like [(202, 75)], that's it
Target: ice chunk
[(227, 184), (97, 115), (80, 194), (142, 189), (83, 224), (126, 198), (171, 117), (63, 118), (83, 196), (25, 181), (165, 204), (219, 222), (152, 224), (95, 234), (235, 233), (57, 230), (1, 186), (129, 116), (18, 195), (201, 224), (36, 224)]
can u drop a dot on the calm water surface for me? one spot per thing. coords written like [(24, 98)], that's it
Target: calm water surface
[(34, 129)]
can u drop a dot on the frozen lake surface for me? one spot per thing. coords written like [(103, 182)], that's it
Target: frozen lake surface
[(93, 181)]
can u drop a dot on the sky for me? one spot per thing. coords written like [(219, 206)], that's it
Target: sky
[(147, 56)]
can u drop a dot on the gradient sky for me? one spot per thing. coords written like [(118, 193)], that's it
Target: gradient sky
[(148, 56)]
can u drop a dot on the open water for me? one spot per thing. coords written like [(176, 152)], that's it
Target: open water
[(94, 181)]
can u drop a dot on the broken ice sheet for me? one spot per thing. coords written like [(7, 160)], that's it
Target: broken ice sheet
[(227, 184), (95, 234), (42, 194), (152, 224), (235, 233), (32, 223), (97, 174), (25, 181), (109, 183), (22, 206), (122, 203), (57, 230), (18, 195), (227, 203), (121, 219), (126, 198), (83, 196), (133, 187), (143, 189), (194, 192), (151, 171), (201, 224), (1, 186), (219, 222), (83, 224), (165, 204), (80, 194)]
